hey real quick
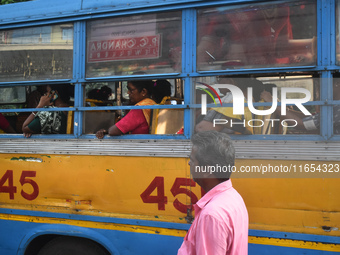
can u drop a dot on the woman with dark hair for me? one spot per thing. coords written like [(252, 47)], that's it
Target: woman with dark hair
[(137, 120), (49, 122), (161, 89)]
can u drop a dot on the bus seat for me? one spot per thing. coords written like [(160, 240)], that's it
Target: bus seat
[(166, 121), (270, 128), (70, 119)]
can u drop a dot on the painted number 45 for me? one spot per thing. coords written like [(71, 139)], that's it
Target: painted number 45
[(179, 187), (25, 178)]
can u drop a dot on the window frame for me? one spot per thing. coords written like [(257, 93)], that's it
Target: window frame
[(326, 65)]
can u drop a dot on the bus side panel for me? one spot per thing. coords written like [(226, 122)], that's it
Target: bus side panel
[(19, 234), (99, 185), (159, 189)]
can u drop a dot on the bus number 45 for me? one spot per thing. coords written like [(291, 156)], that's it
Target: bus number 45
[(177, 188), (24, 179)]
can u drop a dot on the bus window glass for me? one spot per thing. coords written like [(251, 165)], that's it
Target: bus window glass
[(36, 53), (257, 35), (336, 108), (100, 94), (30, 97), (240, 119), (12, 95), (136, 44), (160, 121), (11, 98), (337, 23)]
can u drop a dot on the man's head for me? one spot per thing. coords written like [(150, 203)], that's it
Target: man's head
[(212, 156)]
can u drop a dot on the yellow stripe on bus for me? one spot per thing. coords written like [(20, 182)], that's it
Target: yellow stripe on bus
[(169, 232), (294, 243), (97, 225)]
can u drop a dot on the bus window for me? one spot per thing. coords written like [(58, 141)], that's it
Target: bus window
[(100, 94), (336, 108), (161, 121), (36, 53), (337, 14), (12, 95), (255, 119), (148, 43), (11, 98), (19, 98), (257, 35)]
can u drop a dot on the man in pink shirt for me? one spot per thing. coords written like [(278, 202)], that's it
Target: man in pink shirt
[(221, 217)]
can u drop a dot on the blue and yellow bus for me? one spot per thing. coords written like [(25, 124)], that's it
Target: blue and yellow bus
[(132, 194)]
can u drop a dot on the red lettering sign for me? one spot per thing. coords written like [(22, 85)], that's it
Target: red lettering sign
[(144, 47)]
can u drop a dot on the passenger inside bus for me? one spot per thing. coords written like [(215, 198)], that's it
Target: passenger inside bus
[(99, 96), (49, 122), (5, 125), (34, 97), (253, 36), (310, 123), (137, 121), (226, 113), (161, 89)]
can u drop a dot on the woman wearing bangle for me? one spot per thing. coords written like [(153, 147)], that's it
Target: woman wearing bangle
[(137, 120), (48, 122)]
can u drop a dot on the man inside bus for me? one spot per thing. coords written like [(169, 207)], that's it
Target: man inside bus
[(310, 123), (221, 218), (241, 122)]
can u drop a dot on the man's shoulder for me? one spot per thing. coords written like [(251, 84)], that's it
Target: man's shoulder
[(226, 202)]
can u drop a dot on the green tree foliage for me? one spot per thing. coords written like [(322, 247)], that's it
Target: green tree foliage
[(11, 1)]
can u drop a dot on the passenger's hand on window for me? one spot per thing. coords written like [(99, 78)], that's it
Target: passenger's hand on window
[(101, 133), (27, 135)]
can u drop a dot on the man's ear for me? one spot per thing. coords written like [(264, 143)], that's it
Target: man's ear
[(207, 175)]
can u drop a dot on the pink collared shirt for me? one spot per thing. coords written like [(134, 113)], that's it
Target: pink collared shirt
[(220, 225)]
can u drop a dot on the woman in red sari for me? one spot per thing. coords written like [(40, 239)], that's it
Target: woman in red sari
[(137, 120)]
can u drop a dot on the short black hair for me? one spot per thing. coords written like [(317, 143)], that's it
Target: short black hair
[(161, 89), (65, 91), (143, 84)]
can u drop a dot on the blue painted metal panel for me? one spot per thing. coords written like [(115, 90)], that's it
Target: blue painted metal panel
[(50, 9), (20, 234), (38, 9)]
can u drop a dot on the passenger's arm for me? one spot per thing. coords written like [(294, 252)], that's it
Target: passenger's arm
[(206, 126), (113, 131), (45, 100)]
